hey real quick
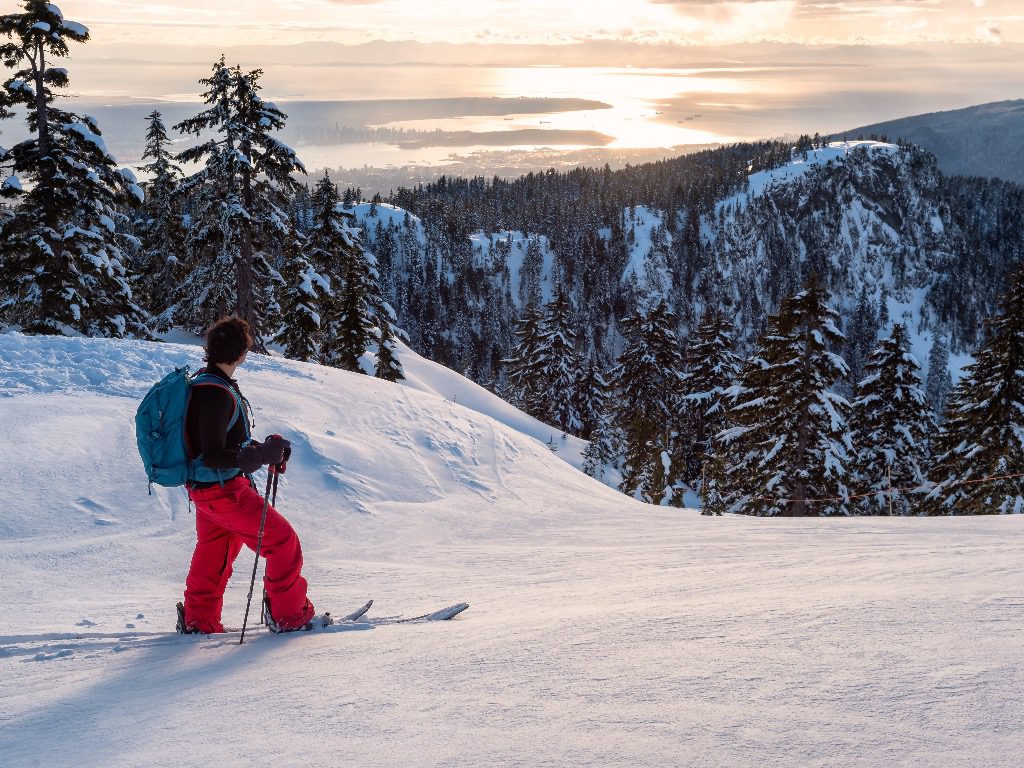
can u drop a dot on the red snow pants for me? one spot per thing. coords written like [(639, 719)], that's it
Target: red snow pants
[(227, 517)]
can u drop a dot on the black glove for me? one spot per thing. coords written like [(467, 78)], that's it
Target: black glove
[(282, 465), (272, 451)]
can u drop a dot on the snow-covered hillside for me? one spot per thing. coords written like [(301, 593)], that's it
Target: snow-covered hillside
[(890, 239), (863, 216), (601, 632)]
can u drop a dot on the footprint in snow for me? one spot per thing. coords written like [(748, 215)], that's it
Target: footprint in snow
[(92, 507), (51, 656)]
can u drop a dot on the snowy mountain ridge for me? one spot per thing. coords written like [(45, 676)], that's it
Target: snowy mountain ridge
[(855, 213), (762, 182), (878, 223)]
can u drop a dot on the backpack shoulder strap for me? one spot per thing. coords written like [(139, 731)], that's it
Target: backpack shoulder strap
[(209, 380)]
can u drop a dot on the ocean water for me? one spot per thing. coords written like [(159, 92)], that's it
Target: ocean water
[(425, 114)]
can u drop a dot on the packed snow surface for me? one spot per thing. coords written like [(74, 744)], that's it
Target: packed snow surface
[(601, 632)]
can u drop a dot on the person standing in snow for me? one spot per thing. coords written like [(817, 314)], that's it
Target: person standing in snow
[(228, 511)]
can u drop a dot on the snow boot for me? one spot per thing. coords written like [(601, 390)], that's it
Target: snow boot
[(181, 628), (191, 629), (315, 622)]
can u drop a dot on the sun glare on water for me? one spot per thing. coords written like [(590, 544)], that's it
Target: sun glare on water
[(642, 103)]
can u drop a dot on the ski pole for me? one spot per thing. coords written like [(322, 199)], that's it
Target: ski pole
[(273, 503), (259, 543)]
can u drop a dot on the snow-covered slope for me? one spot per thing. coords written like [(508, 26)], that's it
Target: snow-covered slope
[(427, 376), (602, 631)]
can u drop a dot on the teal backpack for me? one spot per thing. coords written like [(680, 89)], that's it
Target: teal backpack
[(160, 431)]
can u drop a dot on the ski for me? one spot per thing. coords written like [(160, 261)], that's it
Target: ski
[(445, 614), (358, 619), (358, 614)]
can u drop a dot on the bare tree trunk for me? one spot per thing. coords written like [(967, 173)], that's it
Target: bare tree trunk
[(799, 504), (244, 284)]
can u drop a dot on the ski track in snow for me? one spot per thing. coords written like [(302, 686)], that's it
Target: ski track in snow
[(601, 632)]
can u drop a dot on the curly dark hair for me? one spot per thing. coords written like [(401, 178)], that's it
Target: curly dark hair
[(227, 339)]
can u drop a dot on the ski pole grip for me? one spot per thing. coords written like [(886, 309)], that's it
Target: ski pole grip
[(279, 468)]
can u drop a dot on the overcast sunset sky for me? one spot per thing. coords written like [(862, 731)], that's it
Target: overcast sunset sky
[(228, 22), (665, 72)]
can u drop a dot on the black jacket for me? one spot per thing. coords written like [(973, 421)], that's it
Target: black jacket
[(206, 424)]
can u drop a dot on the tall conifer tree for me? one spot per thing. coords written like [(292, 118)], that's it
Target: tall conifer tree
[(242, 193), (388, 367), (354, 305), (714, 369), (648, 385), (301, 298), (559, 365), (892, 424), (602, 452), (524, 365), (791, 443), (159, 223), (62, 251), (861, 334), (591, 398), (348, 330), (939, 383), (983, 435)]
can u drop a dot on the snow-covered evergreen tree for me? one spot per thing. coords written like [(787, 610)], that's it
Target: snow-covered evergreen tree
[(591, 398), (861, 335), (602, 452), (62, 251), (558, 364), (239, 200), (892, 424), (387, 367), (980, 448), (328, 241), (524, 364), (714, 369), (353, 306), (347, 331), (939, 382), (647, 383), (713, 482), (529, 273), (159, 223), (301, 297), (791, 443)]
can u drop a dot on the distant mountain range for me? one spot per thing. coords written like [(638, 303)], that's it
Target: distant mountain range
[(986, 140)]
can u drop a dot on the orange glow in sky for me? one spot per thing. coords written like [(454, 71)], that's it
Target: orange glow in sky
[(228, 22)]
